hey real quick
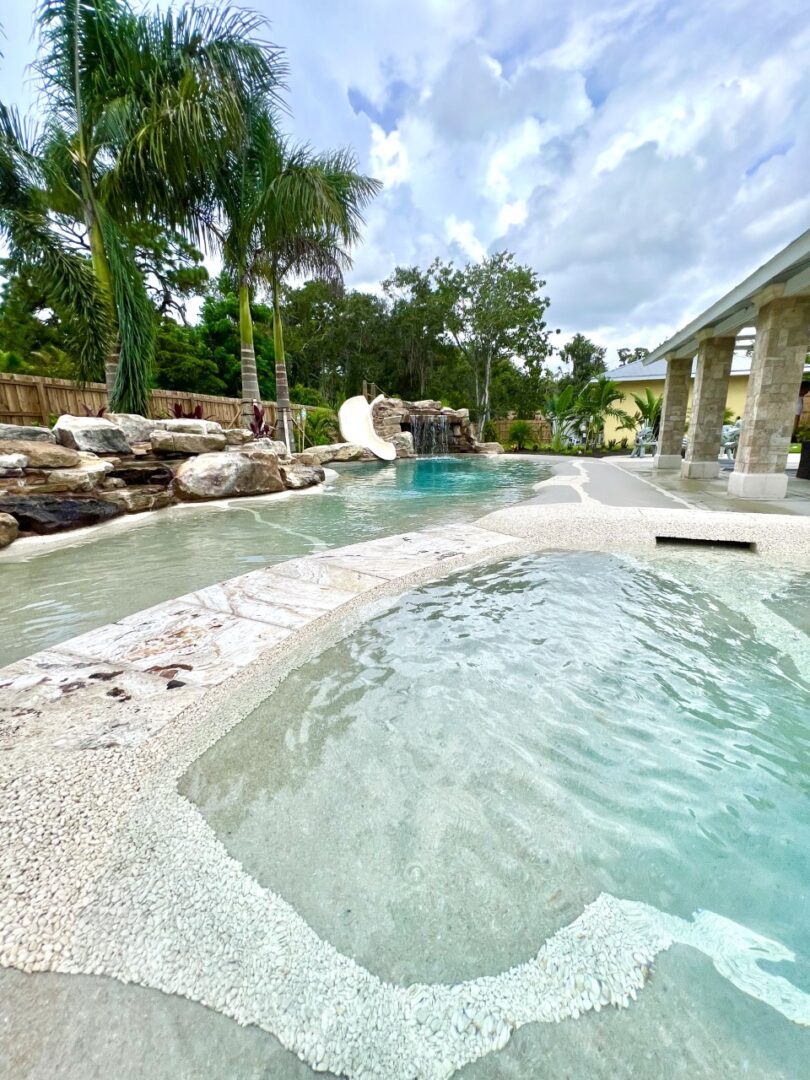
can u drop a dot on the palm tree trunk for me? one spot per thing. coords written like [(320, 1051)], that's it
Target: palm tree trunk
[(101, 268), (284, 427), (247, 357)]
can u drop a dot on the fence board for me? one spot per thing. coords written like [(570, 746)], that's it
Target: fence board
[(37, 399)]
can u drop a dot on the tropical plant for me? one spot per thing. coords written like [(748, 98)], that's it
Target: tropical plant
[(179, 412), (520, 432), (139, 107), (321, 427), (280, 209), (595, 402), (258, 422), (648, 406), (561, 410)]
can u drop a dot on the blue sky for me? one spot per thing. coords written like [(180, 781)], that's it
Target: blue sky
[(643, 156)]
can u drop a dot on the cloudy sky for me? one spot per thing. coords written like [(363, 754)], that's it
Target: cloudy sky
[(643, 156)]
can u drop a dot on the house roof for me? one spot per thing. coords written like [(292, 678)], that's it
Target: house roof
[(787, 273), (644, 371)]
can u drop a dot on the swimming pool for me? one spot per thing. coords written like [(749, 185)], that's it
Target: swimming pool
[(51, 594), (458, 779)]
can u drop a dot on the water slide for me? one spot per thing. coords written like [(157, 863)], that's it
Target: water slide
[(357, 426)]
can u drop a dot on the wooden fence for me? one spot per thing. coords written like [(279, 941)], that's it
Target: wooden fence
[(541, 431), (36, 399)]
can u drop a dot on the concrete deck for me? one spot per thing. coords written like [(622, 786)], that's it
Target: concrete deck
[(626, 482)]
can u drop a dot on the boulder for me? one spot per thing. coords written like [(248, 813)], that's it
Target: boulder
[(305, 458), (336, 452), (136, 428), (190, 427), (177, 442), (12, 464), (237, 436), (26, 433), (301, 476), (137, 473), (222, 476), (92, 433), (46, 514), (42, 455), (88, 474), (8, 529), (278, 447), (488, 448), (135, 501), (404, 444)]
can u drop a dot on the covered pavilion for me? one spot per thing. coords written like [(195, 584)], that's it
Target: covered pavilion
[(775, 300)]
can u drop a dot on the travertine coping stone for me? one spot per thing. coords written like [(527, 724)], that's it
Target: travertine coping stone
[(108, 870)]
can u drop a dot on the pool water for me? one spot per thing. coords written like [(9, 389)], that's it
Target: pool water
[(57, 593), (454, 782)]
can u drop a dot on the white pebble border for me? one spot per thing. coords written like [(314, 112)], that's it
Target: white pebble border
[(108, 870)]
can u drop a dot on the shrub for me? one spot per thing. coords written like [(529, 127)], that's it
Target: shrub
[(489, 434), (520, 431), (322, 427), (258, 425)]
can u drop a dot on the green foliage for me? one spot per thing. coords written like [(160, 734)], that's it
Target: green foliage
[(520, 434), (648, 406), (594, 404), (627, 356), (139, 110), (489, 434), (322, 427), (587, 361), (303, 395)]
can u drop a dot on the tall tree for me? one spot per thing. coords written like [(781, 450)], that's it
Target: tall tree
[(495, 312), (138, 108), (587, 360), (278, 209)]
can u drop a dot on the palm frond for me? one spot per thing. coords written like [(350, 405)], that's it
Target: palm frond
[(135, 318)]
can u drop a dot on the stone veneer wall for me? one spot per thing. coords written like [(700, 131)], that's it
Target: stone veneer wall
[(392, 416)]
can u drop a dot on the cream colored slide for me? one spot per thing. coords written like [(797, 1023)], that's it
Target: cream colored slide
[(357, 426)]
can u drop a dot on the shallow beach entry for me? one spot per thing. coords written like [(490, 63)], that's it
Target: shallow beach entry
[(464, 776), (51, 594)]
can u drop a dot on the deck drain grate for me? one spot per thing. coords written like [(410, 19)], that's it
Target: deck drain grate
[(697, 541)]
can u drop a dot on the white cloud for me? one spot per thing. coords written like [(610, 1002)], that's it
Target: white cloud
[(463, 234), (388, 158), (642, 155)]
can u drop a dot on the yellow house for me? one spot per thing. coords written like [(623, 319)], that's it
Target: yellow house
[(634, 378)]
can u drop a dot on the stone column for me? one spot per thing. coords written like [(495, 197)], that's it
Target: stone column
[(783, 328), (673, 413), (708, 407)]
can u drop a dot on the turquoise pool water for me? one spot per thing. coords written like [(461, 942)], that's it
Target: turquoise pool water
[(53, 595), (455, 781)]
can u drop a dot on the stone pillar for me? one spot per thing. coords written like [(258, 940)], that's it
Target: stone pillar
[(673, 413), (708, 407), (783, 328)]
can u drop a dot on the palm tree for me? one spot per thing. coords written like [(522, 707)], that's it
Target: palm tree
[(561, 410), (279, 209), (648, 405), (138, 108), (596, 401)]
